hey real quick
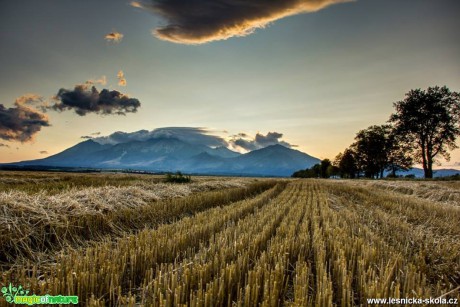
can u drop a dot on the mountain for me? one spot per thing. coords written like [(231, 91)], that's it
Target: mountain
[(223, 152), (168, 154), (76, 156), (418, 172), (274, 159)]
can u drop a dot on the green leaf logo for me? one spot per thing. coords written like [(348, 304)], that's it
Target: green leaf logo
[(10, 292)]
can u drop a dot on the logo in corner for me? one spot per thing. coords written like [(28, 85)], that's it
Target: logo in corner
[(19, 296), (10, 292)]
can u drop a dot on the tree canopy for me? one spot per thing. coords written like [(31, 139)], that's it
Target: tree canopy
[(428, 122), (423, 128)]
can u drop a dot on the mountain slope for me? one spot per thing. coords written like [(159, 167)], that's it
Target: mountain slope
[(80, 155), (271, 160), (170, 155)]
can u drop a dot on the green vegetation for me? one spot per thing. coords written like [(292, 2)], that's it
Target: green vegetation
[(290, 243), (428, 122), (325, 169), (178, 178), (424, 127)]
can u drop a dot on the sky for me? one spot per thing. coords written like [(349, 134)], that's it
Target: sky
[(311, 72)]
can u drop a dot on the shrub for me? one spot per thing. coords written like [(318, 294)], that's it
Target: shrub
[(178, 178)]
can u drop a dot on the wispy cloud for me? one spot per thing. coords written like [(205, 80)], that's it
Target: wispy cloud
[(194, 135), (136, 4), (114, 37), (102, 81), (201, 21), (92, 136), (84, 99), (22, 121), (245, 142), (121, 78)]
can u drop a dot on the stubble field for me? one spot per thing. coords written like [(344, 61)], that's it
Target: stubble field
[(129, 240)]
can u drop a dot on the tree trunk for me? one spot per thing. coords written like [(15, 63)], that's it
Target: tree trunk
[(429, 168), (428, 173), (426, 167)]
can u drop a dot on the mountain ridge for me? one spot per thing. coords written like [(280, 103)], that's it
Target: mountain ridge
[(168, 154)]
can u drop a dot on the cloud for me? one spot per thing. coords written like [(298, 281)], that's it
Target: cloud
[(114, 37), (23, 121), (201, 21), (196, 135), (245, 142), (92, 136), (84, 99), (192, 135), (136, 4), (102, 81), (121, 78), (4, 145), (43, 152), (29, 99)]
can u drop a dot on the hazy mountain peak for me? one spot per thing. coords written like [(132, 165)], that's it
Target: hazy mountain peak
[(167, 152)]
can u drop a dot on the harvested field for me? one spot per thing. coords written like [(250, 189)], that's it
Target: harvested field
[(447, 192), (280, 243), (32, 223)]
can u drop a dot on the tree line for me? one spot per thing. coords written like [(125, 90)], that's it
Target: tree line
[(423, 128)]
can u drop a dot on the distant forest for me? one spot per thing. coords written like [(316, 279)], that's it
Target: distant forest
[(423, 128)]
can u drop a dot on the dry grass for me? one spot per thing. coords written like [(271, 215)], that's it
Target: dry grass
[(52, 183), (32, 223), (57, 182), (447, 192), (307, 243)]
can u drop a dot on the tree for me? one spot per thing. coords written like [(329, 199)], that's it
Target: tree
[(333, 171), (319, 170), (372, 148), (399, 155), (429, 123), (325, 164), (346, 163), (312, 172)]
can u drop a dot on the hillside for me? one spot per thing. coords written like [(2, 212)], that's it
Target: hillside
[(168, 154)]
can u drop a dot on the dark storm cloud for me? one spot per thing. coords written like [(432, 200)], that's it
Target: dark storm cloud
[(201, 21), (192, 135), (243, 141), (22, 122), (84, 99)]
